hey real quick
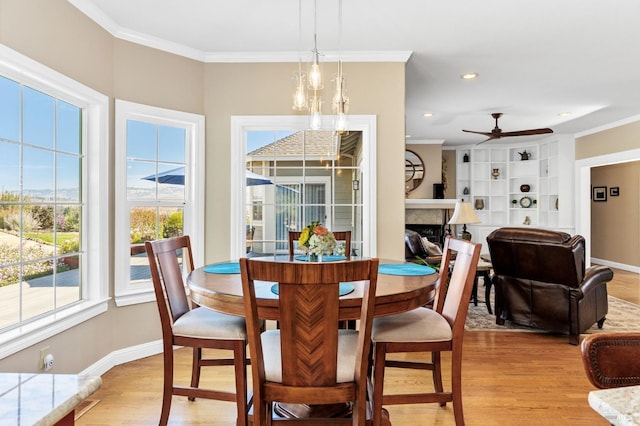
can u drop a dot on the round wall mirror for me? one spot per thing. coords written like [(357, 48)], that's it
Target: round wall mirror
[(413, 171)]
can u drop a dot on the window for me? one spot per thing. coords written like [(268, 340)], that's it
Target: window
[(285, 177), (53, 195), (159, 190)]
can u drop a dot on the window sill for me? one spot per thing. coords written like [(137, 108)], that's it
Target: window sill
[(19, 338)]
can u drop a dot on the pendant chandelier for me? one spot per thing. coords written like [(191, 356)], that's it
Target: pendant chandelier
[(307, 93)]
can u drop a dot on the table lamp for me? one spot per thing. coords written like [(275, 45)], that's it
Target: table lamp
[(463, 214)]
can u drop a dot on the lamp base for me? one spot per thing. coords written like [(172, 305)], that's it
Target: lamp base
[(466, 235)]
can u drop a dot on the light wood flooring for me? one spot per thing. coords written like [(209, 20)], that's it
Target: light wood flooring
[(509, 378)]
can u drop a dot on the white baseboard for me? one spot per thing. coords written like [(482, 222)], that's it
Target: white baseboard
[(122, 356), (617, 265)]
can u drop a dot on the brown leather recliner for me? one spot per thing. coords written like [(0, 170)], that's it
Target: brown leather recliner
[(540, 281), (414, 250)]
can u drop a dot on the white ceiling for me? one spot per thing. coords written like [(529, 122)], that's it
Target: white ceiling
[(535, 58)]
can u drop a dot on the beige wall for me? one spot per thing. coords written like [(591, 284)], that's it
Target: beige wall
[(449, 165), (618, 139), (240, 89), (615, 224), (54, 33), (431, 155)]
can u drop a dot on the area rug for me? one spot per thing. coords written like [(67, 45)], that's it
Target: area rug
[(623, 316)]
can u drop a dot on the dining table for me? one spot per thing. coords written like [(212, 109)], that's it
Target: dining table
[(401, 287)]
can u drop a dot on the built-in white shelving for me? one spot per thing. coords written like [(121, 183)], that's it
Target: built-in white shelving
[(518, 184)]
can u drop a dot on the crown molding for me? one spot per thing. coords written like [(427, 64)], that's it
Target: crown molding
[(100, 18), (368, 56), (425, 142)]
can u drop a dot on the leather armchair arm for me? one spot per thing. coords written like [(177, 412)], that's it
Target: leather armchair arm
[(595, 276), (612, 360)]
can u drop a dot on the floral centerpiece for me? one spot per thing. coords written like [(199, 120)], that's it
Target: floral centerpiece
[(316, 240)]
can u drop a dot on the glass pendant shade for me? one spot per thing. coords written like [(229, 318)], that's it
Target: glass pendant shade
[(340, 104), (315, 107), (341, 125), (315, 73), (299, 91)]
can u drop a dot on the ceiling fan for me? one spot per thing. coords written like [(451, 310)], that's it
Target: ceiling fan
[(497, 132)]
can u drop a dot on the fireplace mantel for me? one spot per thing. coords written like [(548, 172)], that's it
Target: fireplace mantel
[(430, 203)]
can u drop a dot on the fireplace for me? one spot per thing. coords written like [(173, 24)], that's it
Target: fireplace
[(435, 233)]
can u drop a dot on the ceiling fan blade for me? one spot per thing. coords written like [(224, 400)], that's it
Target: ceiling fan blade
[(527, 132), (490, 138), (488, 134)]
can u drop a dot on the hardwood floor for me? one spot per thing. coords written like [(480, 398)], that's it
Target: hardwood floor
[(509, 378)]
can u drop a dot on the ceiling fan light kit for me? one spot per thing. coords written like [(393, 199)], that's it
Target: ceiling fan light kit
[(497, 132)]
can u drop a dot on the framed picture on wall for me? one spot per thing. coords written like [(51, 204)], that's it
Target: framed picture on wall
[(614, 191), (599, 193)]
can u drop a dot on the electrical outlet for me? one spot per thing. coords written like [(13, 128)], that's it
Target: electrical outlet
[(48, 362), (43, 353)]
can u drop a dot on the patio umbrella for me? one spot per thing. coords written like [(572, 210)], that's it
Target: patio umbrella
[(173, 176), (254, 179), (176, 177)]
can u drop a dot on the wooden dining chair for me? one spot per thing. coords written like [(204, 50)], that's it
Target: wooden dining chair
[(429, 330), (194, 327), (308, 360), (345, 236)]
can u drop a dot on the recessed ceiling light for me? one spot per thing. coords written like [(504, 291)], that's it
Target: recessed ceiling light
[(564, 114), (469, 75), (428, 114)]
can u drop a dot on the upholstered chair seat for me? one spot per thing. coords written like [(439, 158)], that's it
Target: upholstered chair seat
[(418, 325), (347, 345), (209, 324)]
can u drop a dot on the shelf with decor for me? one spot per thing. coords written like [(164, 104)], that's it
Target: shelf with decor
[(518, 184), (463, 175)]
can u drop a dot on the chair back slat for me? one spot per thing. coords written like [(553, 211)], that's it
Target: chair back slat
[(455, 287), (166, 274), (309, 313)]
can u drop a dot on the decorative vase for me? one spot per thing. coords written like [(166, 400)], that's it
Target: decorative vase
[(465, 158), (495, 173), (465, 191), (479, 204), (524, 156), (313, 257)]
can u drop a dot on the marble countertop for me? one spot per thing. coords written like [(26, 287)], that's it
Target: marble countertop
[(42, 399), (620, 406)]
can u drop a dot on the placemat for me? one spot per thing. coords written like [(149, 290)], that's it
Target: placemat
[(325, 258), (223, 268), (345, 288), (405, 269)]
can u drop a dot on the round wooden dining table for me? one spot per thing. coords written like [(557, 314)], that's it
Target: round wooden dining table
[(394, 294)]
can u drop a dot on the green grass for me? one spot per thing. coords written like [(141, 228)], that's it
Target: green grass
[(47, 237)]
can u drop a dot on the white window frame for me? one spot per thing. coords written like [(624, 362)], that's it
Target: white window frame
[(95, 191), (240, 125), (127, 293)]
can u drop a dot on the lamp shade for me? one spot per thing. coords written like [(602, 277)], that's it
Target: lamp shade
[(463, 214)]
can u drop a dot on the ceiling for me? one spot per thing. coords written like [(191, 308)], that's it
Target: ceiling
[(535, 59)]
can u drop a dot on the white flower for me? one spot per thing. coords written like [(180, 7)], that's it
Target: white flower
[(322, 244)]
